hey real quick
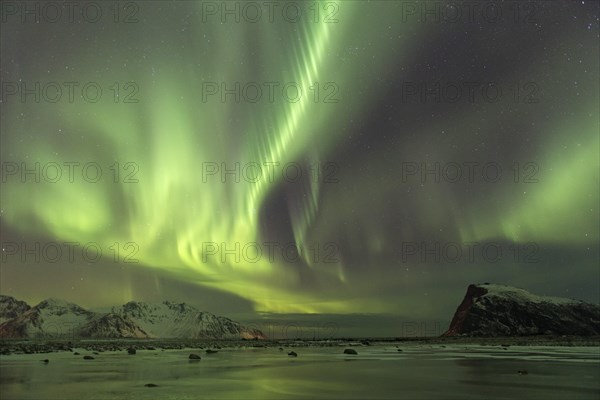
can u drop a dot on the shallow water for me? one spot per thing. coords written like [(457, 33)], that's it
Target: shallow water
[(377, 372)]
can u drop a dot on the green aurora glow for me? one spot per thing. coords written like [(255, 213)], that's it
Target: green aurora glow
[(171, 132)]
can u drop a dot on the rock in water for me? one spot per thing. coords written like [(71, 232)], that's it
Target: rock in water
[(88, 357), (131, 351), (497, 310), (194, 357), (46, 361), (209, 351), (293, 354), (150, 385), (350, 351)]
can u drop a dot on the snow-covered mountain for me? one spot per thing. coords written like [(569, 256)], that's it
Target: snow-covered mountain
[(179, 320), (111, 326), (54, 318), (497, 310), (11, 308), (50, 318)]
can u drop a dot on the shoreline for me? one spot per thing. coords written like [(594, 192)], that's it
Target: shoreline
[(35, 346)]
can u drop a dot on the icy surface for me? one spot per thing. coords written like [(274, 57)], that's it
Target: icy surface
[(377, 372)]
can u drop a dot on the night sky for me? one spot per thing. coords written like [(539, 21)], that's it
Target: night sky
[(422, 153)]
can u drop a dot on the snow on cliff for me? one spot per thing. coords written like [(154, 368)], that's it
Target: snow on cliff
[(497, 310)]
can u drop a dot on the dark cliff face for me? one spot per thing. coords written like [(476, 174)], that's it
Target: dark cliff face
[(462, 312), (493, 310)]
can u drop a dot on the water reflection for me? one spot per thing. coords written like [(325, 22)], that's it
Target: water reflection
[(377, 372)]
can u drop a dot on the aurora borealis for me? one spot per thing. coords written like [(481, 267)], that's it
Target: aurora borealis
[(198, 170)]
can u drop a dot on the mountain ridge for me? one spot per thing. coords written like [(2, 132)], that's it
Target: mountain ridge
[(59, 318)]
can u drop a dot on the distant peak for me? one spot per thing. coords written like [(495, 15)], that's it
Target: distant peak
[(6, 298), (56, 303)]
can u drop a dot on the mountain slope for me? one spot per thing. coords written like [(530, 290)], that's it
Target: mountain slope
[(11, 308), (112, 326), (497, 310)]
